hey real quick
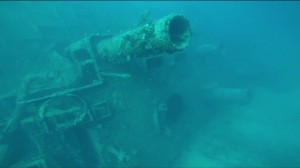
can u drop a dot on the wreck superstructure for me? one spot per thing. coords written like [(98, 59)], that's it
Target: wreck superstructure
[(104, 106), (104, 100)]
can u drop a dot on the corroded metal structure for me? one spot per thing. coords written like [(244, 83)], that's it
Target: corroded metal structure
[(110, 100), (101, 110), (167, 35)]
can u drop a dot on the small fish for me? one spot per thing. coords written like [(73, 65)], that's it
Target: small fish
[(209, 51)]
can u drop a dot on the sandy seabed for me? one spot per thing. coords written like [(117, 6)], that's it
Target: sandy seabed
[(264, 133)]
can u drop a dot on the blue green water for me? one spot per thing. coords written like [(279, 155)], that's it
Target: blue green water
[(240, 44)]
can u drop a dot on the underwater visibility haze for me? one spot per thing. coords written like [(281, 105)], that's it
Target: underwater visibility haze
[(150, 84)]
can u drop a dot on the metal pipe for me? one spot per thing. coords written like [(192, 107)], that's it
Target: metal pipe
[(228, 95), (166, 35)]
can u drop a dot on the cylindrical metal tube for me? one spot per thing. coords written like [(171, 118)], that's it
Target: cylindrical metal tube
[(229, 95), (167, 35)]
